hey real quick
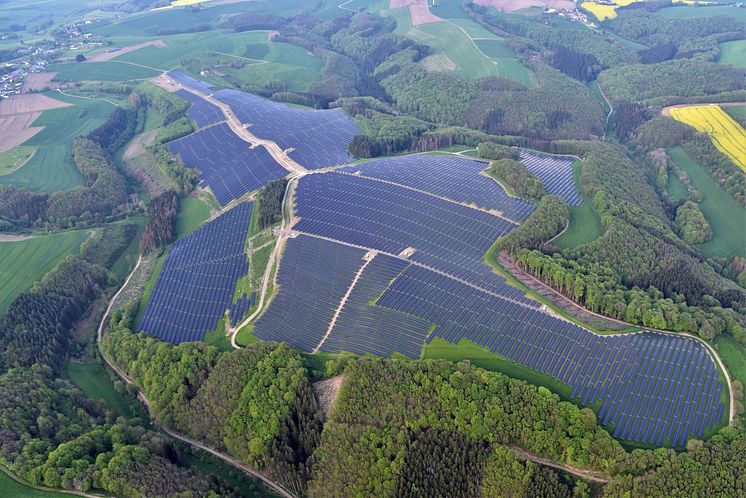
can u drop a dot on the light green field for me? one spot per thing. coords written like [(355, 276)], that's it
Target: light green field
[(93, 380), (455, 39), (688, 12), (192, 212), (734, 357), (585, 225), (11, 159), (25, 262), (51, 168), (10, 488), (725, 215), (733, 53), (676, 189), (247, 57), (101, 71)]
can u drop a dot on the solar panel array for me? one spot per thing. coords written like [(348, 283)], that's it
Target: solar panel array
[(652, 386), (201, 111), (555, 173), (241, 307), (313, 277), (365, 328), (445, 235), (319, 137), (455, 177), (228, 164), (187, 80), (195, 286)]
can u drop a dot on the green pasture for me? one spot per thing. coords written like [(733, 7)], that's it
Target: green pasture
[(192, 212), (676, 189), (689, 12), (101, 71), (25, 262), (733, 53), (460, 39), (733, 356), (11, 159), (737, 112), (93, 379), (585, 225), (10, 488), (51, 168), (725, 215)]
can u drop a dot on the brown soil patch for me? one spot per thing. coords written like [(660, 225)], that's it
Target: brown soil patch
[(557, 299), (138, 144), (107, 56), (16, 115), (513, 5), (6, 237), (418, 11), (40, 81), (164, 81), (326, 392)]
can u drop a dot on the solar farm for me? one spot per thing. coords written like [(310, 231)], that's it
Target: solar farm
[(555, 173), (196, 283), (313, 138), (230, 166), (385, 256)]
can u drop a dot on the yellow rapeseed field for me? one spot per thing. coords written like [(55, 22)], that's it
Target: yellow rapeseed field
[(608, 11), (727, 135)]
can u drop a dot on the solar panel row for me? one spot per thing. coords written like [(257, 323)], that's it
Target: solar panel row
[(241, 307), (319, 137), (187, 80), (444, 235), (556, 175), (201, 111), (458, 178), (365, 328), (313, 277), (228, 164), (653, 386), (195, 285)]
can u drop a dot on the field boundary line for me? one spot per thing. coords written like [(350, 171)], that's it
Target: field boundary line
[(86, 98)]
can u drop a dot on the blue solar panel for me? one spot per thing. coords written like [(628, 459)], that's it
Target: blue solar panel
[(201, 111), (195, 286), (227, 164), (370, 213), (187, 80), (318, 138), (634, 376), (458, 178), (313, 276), (555, 173)]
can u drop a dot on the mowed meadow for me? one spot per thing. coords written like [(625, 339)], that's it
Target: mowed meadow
[(25, 262), (727, 135)]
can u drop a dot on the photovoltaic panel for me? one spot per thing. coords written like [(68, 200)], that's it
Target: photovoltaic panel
[(186, 80), (196, 283), (201, 111), (318, 138), (556, 174), (229, 165), (458, 178)]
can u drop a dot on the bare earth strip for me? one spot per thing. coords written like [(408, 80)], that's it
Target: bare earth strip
[(40, 81), (6, 237), (513, 5), (107, 56), (438, 63), (326, 392)]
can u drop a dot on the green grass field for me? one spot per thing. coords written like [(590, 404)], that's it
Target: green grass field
[(688, 12), (676, 189), (726, 216), (10, 488), (25, 262), (737, 112), (247, 57), (11, 159), (733, 53), (51, 168), (101, 71), (455, 39), (93, 380), (192, 212), (585, 225), (734, 357)]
